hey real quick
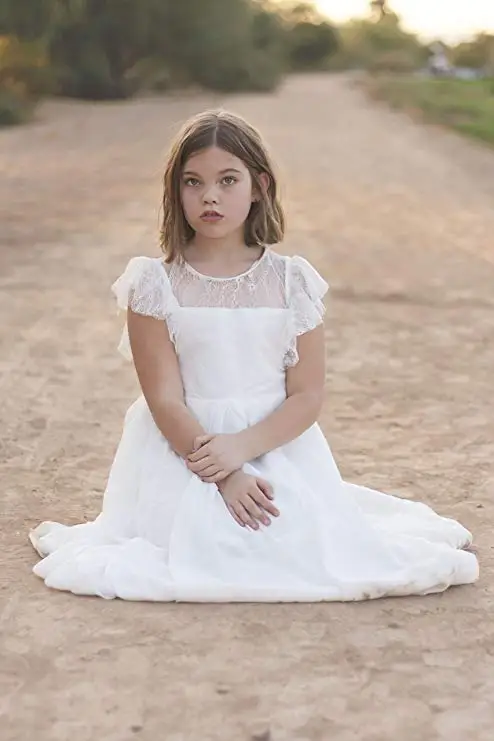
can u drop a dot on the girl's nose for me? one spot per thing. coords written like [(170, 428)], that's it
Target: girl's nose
[(210, 196)]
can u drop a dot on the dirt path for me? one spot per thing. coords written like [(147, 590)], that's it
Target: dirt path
[(400, 220)]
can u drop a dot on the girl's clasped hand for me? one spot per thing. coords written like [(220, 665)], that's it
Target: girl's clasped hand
[(218, 459), (217, 456)]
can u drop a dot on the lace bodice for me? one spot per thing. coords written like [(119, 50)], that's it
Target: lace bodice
[(262, 286), (289, 284)]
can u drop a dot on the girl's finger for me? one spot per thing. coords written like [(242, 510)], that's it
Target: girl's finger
[(255, 512), (244, 514), (201, 466), (265, 503), (265, 487), (216, 477), (211, 470), (235, 516), (202, 440), (260, 506), (213, 476), (199, 454)]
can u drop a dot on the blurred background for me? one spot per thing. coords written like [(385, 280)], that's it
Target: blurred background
[(428, 55)]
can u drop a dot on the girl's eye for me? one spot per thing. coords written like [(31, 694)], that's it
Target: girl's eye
[(191, 181), (229, 179)]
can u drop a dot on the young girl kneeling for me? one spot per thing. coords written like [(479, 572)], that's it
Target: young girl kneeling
[(223, 487)]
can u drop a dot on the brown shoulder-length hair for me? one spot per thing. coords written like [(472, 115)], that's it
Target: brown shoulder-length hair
[(265, 223)]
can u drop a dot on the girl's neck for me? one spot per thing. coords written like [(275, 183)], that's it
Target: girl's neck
[(229, 251)]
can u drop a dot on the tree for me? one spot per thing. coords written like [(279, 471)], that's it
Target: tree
[(299, 12), (311, 45), (384, 45), (310, 39), (104, 49), (379, 8), (96, 45), (477, 53)]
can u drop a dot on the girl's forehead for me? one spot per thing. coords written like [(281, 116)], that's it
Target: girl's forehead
[(214, 159)]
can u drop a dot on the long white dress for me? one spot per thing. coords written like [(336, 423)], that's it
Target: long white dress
[(163, 534)]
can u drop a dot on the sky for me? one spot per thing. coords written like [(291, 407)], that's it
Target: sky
[(451, 20)]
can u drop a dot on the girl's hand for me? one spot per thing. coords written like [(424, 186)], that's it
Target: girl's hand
[(248, 499), (216, 456)]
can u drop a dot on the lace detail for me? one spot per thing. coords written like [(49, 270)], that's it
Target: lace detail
[(262, 286), (306, 290), (144, 288)]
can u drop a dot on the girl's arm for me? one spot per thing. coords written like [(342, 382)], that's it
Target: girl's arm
[(159, 375), (305, 396)]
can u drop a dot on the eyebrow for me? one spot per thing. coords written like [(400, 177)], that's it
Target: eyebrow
[(221, 172)]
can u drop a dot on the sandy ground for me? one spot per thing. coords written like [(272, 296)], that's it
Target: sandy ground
[(400, 219)]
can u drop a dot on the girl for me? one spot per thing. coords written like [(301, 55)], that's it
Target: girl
[(223, 487)]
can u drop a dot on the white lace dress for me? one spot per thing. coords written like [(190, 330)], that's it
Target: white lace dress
[(163, 534)]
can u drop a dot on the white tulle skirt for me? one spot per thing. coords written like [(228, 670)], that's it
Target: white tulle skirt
[(164, 535)]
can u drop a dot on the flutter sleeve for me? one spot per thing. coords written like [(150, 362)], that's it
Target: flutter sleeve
[(306, 291), (143, 287)]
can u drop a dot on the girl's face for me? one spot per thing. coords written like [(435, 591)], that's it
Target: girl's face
[(216, 192)]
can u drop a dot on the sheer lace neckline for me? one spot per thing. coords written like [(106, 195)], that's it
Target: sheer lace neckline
[(245, 273)]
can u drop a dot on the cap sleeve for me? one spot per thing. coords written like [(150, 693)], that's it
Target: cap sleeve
[(306, 290), (145, 288)]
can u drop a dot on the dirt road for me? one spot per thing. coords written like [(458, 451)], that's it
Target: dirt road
[(400, 219)]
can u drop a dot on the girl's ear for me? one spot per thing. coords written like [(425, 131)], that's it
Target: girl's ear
[(264, 184)]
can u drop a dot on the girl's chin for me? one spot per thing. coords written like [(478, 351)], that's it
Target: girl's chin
[(216, 229)]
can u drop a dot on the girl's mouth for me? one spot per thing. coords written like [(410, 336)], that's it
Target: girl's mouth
[(211, 216)]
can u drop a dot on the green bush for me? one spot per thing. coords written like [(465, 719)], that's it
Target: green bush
[(90, 76), (151, 73), (477, 54), (269, 53), (265, 73), (228, 45), (24, 76), (311, 44), (258, 72), (95, 46), (15, 108), (30, 20), (309, 40), (397, 60), (24, 65)]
